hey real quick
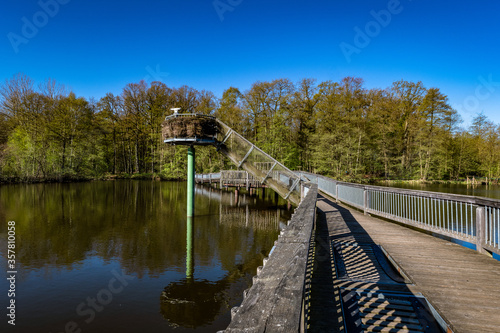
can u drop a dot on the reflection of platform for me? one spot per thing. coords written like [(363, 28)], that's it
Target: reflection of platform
[(230, 178), (192, 304), (244, 217)]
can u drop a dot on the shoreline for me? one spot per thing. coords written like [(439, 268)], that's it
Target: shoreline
[(72, 179), (468, 182), (158, 177)]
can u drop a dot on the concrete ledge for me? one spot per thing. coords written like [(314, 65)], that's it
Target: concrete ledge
[(274, 302)]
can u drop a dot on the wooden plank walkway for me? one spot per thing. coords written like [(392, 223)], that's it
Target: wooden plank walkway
[(462, 284)]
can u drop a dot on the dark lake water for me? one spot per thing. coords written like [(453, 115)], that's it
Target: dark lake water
[(120, 256)]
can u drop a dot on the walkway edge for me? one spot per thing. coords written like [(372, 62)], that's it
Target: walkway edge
[(274, 303)]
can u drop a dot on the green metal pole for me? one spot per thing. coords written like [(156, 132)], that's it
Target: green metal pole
[(190, 182), (189, 249)]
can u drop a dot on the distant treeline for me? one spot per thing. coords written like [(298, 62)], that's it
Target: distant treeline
[(340, 129)]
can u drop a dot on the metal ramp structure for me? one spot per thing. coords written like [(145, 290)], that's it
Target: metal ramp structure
[(243, 154)]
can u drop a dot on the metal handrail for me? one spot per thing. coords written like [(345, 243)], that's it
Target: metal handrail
[(469, 218)]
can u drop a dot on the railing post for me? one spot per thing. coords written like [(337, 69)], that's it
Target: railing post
[(480, 229), (336, 193), (365, 202)]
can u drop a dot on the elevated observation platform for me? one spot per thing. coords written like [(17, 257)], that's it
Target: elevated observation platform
[(196, 129)]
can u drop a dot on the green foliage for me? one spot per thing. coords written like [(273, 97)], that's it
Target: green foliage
[(19, 150), (340, 129)]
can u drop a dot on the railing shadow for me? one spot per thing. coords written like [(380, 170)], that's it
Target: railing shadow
[(351, 274)]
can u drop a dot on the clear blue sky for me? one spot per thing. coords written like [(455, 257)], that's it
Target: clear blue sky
[(95, 47)]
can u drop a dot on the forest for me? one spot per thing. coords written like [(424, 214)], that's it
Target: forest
[(340, 129)]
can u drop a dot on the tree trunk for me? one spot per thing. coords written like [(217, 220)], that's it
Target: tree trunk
[(358, 153), (114, 151), (63, 157), (136, 157)]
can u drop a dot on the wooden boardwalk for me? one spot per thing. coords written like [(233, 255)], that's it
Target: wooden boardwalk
[(461, 284)]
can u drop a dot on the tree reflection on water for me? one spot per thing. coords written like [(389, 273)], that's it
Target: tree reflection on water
[(76, 233)]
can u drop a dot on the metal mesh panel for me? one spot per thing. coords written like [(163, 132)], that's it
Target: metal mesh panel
[(260, 162), (327, 186), (237, 147), (351, 195), (286, 179), (249, 157)]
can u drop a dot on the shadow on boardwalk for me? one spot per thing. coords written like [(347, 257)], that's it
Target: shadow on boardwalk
[(351, 271)]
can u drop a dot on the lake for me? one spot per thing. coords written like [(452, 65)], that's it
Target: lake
[(487, 191), (121, 256)]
